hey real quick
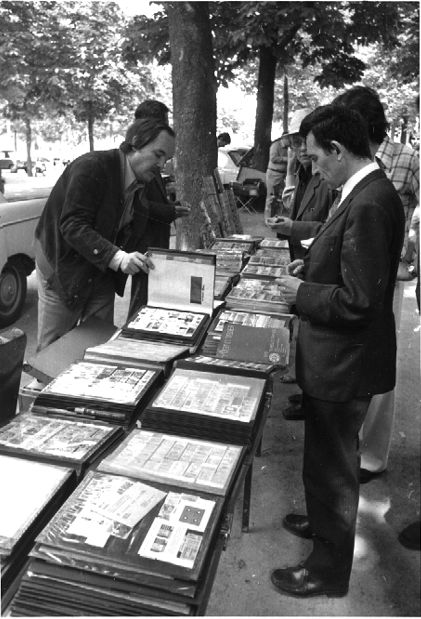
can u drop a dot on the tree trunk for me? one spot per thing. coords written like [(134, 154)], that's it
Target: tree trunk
[(264, 109), (194, 109), (28, 137), (91, 129), (286, 104)]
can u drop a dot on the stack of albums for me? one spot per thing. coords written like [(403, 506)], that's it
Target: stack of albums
[(258, 295), (223, 284), (121, 547), (31, 492), (75, 444), (239, 243), (271, 243), (100, 391), (177, 460), (180, 298), (136, 353), (268, 262), (224, 407), (255, 341)]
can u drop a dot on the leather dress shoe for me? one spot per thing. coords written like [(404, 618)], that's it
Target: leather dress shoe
[(298, 525), (299, 582), (296, 398), (366, 475), (294, 412)]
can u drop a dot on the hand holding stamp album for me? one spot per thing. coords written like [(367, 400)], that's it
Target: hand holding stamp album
[(180, 297)]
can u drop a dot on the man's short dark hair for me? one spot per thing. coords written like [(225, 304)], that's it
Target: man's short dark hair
[(142, 132), (225, 137), (366, 101), (150, 108), (336, 122)]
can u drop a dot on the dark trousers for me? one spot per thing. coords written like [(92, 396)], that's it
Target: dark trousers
[(331, 482), (138, 293)]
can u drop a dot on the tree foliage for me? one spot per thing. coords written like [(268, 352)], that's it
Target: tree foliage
[(64, 58), (276, 36)]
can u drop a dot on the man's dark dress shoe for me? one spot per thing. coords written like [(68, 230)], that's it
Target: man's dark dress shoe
[(366, 475), (410, 536), (293, 412), (295, 398), (298, 525), (299, 582)]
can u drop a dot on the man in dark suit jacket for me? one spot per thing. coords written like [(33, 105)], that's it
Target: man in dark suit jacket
[(161, 211), (344, 300), (89, 232)]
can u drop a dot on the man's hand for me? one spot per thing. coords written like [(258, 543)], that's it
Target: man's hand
[(134, 262), (182, 210), (296, 267), (289, 286), (283, 225)]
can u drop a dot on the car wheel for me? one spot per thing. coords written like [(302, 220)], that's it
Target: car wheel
[(12, 293)]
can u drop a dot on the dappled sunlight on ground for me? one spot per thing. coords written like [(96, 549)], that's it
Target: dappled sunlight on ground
[(375, 508)]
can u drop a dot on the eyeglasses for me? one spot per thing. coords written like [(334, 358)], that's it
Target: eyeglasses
[(296, 140)]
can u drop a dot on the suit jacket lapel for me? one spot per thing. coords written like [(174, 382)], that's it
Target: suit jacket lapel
[(344, 206), (308, 195)]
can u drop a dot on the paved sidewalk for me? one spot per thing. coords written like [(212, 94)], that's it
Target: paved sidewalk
[(386, 576)]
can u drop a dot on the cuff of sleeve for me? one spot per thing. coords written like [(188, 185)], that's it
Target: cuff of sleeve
[(115, 261)]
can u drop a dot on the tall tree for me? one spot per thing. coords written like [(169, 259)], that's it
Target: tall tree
[(194, 107), (278, 34), (61, 58), (96, 80), (28, 34), (323, 34)]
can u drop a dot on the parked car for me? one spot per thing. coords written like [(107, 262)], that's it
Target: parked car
[(38, 166), (17, 258), (229, 162), (6, 163), (229, 159)]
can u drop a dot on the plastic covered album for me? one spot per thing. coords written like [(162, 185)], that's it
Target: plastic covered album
[(257, 270), (215, 364), (271, 257), (268, 345), (26, 489), (98, 391), (257, 295), (180, 298), (223, 284), (175, 460), (60, 441), (207, 405), (31, 492), (133, 352), (230, 260), (266, 332), (274, 243), (118, 522)]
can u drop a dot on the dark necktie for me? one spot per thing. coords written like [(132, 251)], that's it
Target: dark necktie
[(335, 204), (131, 199)]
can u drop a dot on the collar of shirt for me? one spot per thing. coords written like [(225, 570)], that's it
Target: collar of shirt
[(356, 178), (127, 174), (385, 152)]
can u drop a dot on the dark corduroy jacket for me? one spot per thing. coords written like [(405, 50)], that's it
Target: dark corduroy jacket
[(79, 227)]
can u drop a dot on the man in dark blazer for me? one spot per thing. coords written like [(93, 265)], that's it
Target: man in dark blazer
[(161, 211), (91, 228), (346, 349)]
